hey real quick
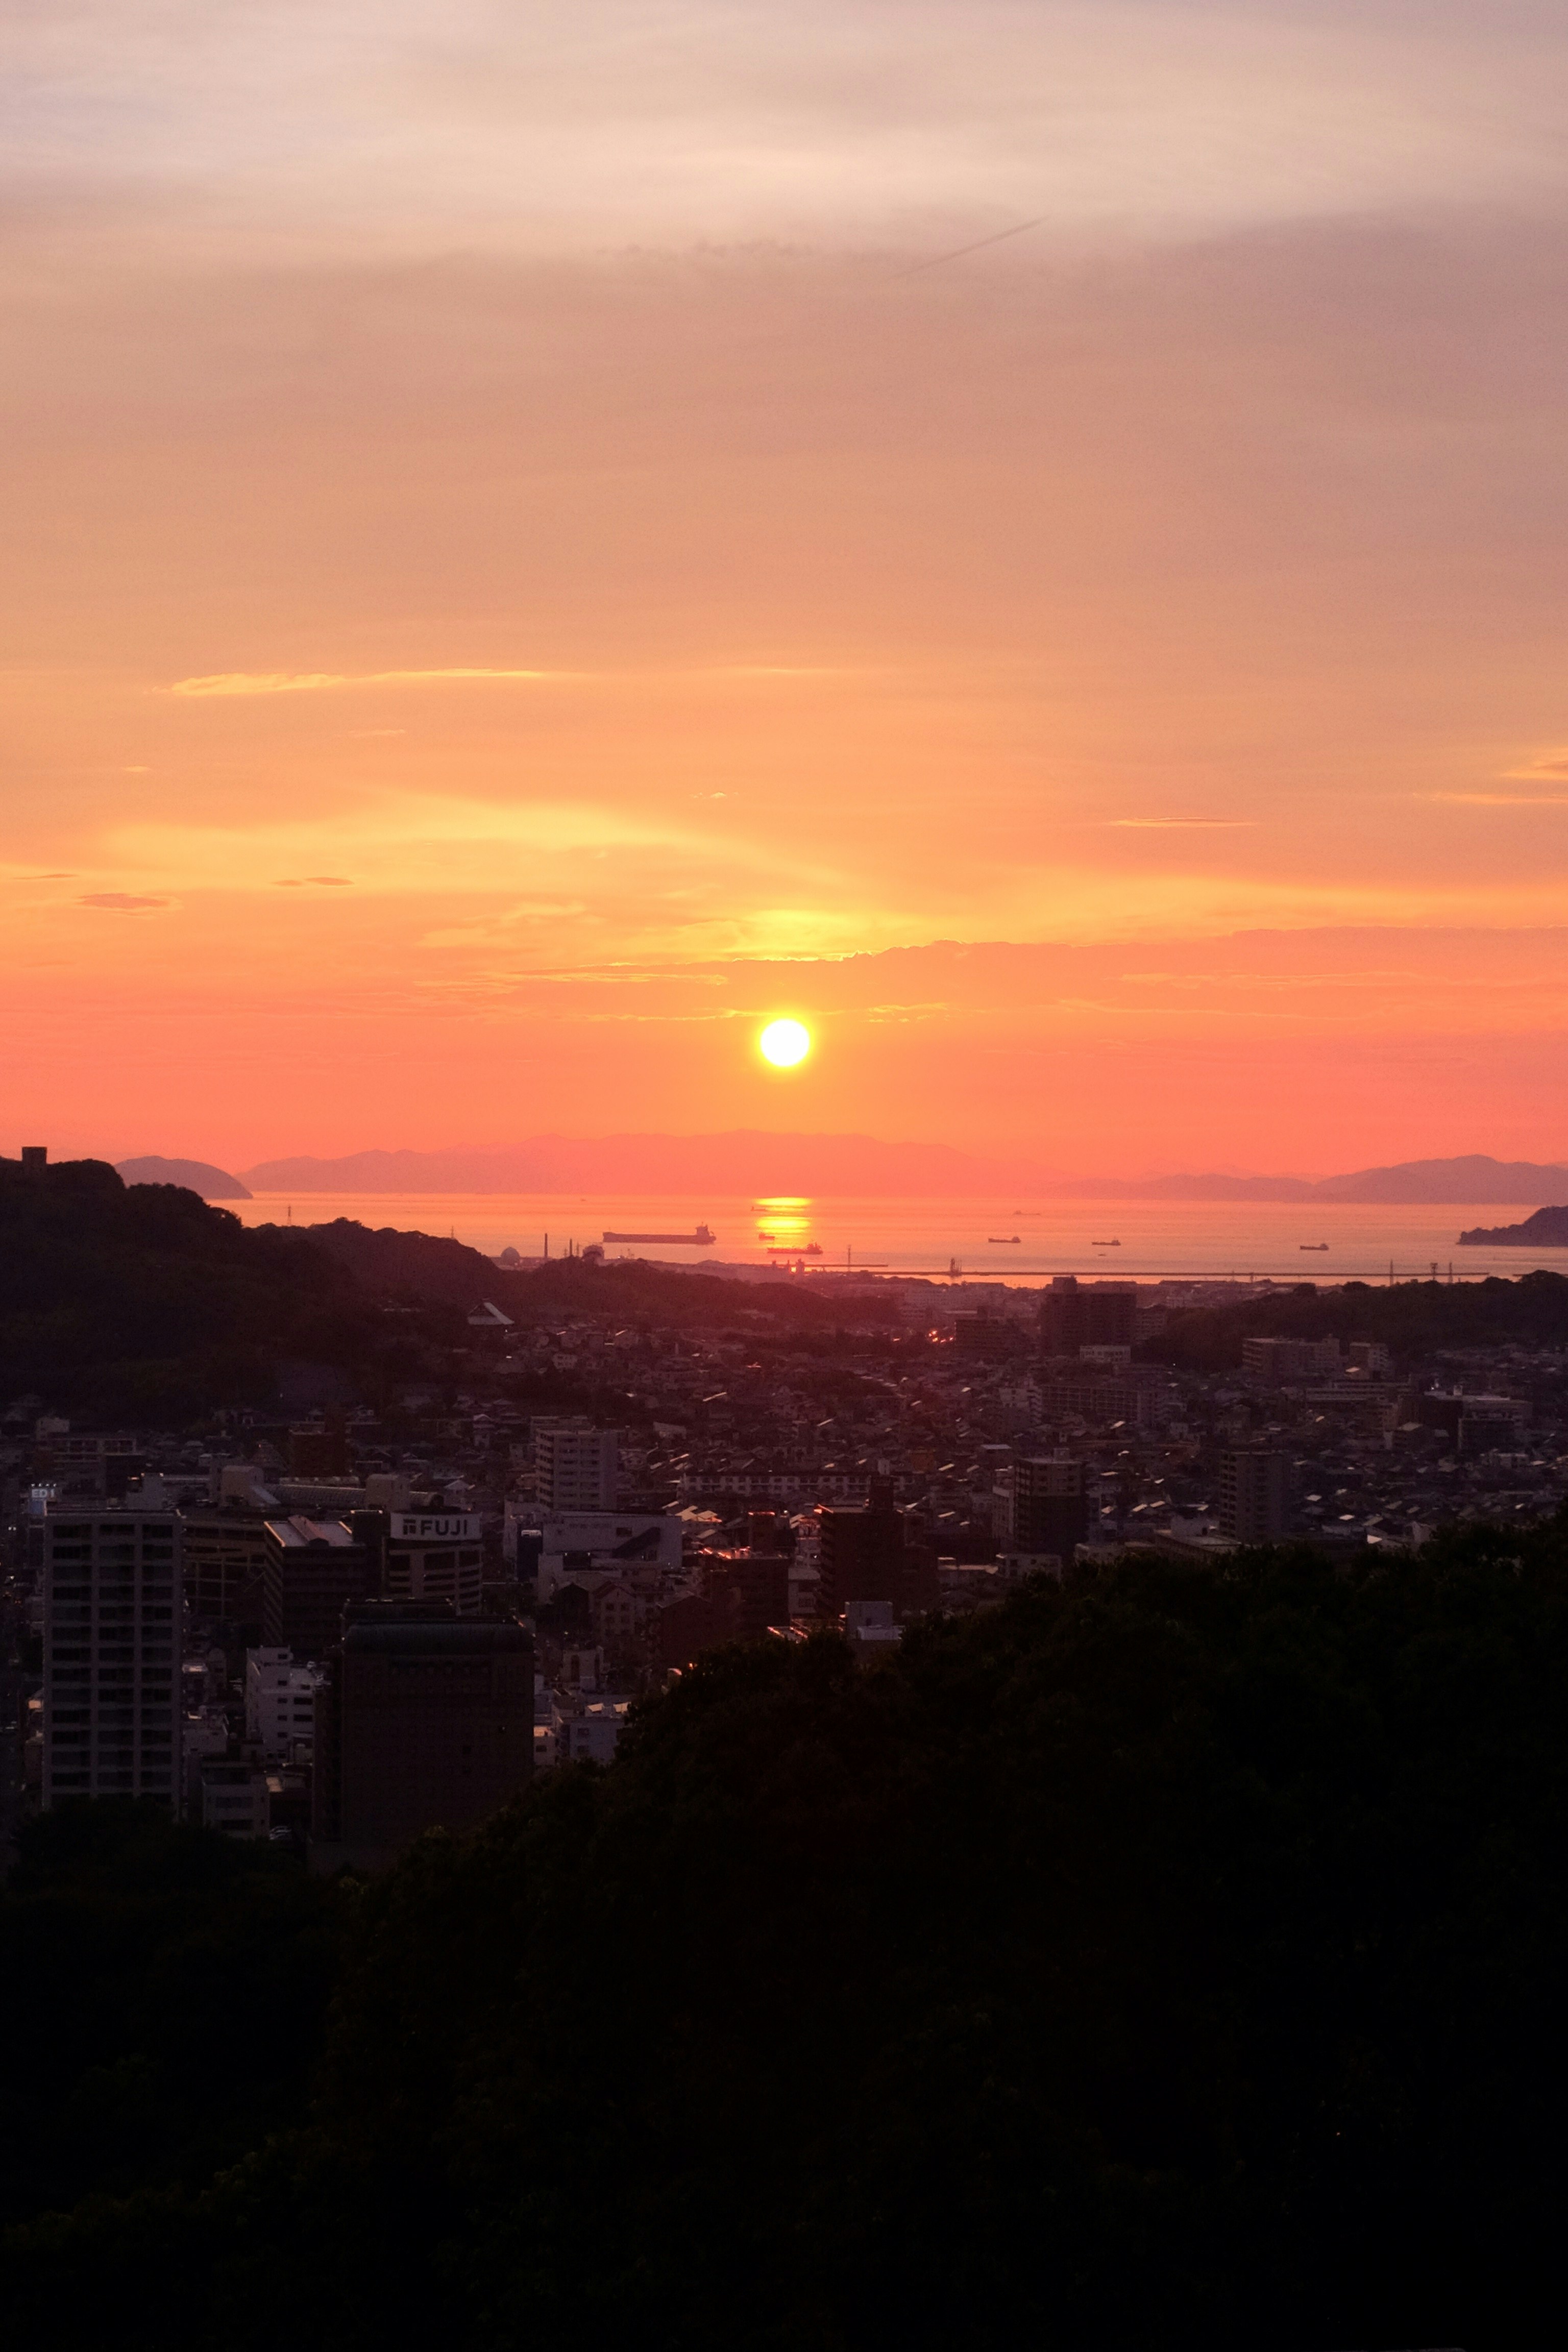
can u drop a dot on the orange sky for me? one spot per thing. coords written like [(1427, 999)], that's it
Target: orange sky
[(529, 544)]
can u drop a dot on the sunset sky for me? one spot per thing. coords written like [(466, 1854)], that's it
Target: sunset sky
[(542, 533)]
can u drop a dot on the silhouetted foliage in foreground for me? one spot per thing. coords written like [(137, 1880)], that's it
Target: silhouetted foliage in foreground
[(165, 1992), (1174, 1959)]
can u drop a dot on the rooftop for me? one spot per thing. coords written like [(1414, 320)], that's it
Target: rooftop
[(451, 1638), (299, 1534)]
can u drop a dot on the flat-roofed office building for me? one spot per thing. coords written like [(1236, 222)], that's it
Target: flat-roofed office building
[(423, 1722), (315, 1568), (1045, 1509), (225, 1552), (437, 1555), (111, 1631), (1075, 1314)]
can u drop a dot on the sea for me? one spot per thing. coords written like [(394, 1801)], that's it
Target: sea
[(1004, 1239)]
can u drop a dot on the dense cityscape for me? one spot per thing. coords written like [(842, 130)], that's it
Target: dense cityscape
[(336, 1626), (457, 1707)]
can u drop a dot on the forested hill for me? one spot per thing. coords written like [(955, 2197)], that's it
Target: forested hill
[(1411, 1317), (1548, 1229), (1171, 1959), (390, 1265), (145, 1303)]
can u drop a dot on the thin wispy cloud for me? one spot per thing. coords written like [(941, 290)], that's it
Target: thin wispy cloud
[(122, 902), (253, 682), (1502, 800), (1181, 823), (224, 684)]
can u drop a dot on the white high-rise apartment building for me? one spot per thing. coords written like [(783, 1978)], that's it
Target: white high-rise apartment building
[(280, 1702), (112, 1606), (575, 1469), (1254, 1495)]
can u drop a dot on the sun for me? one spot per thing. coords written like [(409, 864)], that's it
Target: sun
[(785, 1043)]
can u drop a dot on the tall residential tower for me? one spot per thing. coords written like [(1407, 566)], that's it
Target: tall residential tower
[(111, 1634)]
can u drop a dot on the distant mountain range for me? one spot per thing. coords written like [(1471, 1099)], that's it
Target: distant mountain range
[(750, 1160), (1412, 1182), (744, 1161)]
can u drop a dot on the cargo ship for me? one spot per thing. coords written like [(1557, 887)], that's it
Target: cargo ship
[(700, 1239), (795, 1249)]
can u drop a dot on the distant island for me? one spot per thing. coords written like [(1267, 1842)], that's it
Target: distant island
[(192, 1175), (1548, 1229)]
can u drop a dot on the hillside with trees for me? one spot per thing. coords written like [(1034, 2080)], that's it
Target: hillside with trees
[(1172, 1958), (145, 1303), (1413, 1319)]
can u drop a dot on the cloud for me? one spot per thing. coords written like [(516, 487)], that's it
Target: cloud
[(1173, 823), (431, 842), (227, 683), (933, 123), (122, 902), (1501, 800), (304, 881)]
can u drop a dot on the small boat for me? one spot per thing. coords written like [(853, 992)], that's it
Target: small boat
[(700, 1239), (1312, 1245), (1002, 1241), (1105, 1246)]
